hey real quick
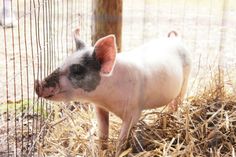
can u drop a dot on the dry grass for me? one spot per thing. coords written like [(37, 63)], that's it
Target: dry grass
[(205, 125)]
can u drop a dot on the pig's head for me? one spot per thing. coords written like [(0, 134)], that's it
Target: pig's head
[(81, 72)]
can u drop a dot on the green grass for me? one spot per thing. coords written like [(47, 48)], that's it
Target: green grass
[(23, 105), (11, 106)]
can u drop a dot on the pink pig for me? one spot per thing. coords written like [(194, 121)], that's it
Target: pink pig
[(150, 76)]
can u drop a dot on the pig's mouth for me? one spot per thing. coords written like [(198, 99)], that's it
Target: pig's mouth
[(48, 97), (53, 95)]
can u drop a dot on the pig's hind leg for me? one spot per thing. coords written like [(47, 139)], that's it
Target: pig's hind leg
[(173, 106), (103, 126)]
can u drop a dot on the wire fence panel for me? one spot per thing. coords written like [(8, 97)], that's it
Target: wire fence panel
[(36, 36)]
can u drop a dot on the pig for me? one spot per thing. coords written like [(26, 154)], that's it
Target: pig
[(150, 76)]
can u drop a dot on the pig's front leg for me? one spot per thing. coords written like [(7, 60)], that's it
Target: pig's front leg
[(127, 124), (103, 127)]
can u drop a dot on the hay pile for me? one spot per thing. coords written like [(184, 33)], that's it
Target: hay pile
[(206, 128), (205, 125)]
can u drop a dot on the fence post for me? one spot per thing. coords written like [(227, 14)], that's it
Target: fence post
[(107, 19)]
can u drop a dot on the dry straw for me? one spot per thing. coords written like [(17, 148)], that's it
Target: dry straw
[(205, 125)]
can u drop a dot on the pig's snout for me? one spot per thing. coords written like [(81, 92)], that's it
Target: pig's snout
[(38, 88), (43, 91)]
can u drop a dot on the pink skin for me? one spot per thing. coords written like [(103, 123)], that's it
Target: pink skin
[(130, 82)]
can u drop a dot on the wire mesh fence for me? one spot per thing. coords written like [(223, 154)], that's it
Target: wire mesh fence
[(41, 37)]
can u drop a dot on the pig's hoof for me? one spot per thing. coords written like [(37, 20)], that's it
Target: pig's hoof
[(173, 106), (103, 144), (8, 22)]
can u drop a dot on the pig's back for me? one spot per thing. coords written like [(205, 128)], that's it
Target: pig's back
[(160, 68), (157, 50)]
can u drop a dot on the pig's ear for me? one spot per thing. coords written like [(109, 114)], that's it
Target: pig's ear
[(78, 43), (105, 53)]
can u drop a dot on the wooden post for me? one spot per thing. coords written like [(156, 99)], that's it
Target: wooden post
[(107, 20)]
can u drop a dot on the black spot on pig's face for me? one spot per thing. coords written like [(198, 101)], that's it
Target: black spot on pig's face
[(53, 79), (85, 74)]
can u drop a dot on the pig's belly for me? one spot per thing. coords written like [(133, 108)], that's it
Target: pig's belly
[(159, 102), (161, 91), (161, 98)]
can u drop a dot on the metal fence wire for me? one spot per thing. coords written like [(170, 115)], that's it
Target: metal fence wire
[(41, 37), (36, 36)]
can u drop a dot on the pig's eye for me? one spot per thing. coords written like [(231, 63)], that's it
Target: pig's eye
[(77, 69)]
